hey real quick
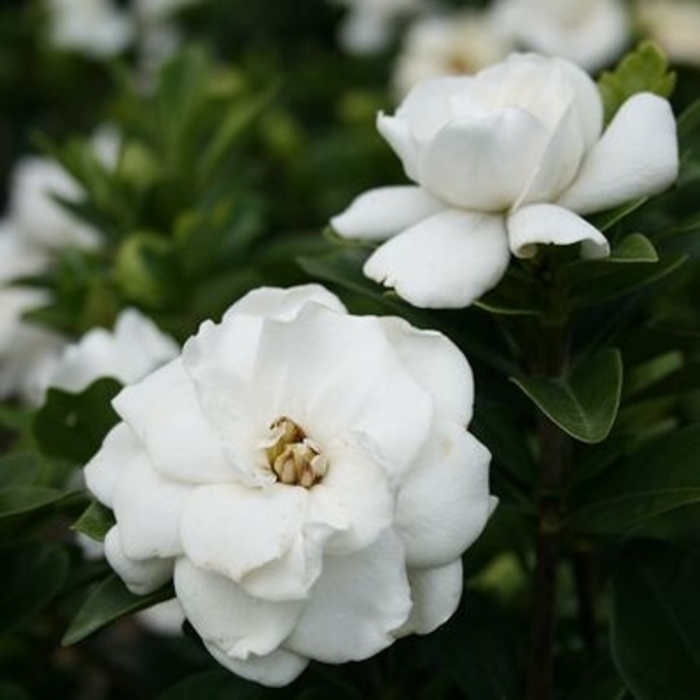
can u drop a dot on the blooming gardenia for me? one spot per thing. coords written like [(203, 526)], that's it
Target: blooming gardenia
[(504, 160), (591, 33), (305, 476)]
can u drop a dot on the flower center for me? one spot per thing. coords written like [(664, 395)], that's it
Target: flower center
[(294, 458)]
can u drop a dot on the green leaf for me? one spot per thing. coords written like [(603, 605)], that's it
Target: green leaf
[(110, 600), (606, 220), (18, 469), (33, 573), (20, 500), (95, 522), (215, 685), (73, 426), (657, 478), (643, 70), (655, 632), (585, 403)]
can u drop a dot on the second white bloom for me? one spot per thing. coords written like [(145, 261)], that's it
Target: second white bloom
[(503, 161)]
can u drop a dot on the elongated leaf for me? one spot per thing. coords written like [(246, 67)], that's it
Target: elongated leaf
[(656, 479), (585, 403), (109, 601), (19, 469), (656, 621), (32, 574), (20, 500)]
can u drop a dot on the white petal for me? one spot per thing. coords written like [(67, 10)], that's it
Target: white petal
[(436, 593), (355, 606), (141, 576), (437, 365), (397, 134), (283, 304), (446, 261), (484, 163), (225, 615), (381, 213), (637, 156), (444, 505), (235, 529), (550, 224), (342, 382), (164, 412), (356, 493), (278, 668), (164, 618), (102, 472), (147, 507)]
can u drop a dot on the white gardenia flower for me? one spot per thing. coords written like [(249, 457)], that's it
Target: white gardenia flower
[(367, 27), (26, 349), (504, 160), (97, 28), (591, 33), (463, 42), (307, 478), (128, 353), (675, 25), (37, 215)]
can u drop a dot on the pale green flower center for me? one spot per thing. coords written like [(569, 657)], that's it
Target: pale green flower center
[(294, 458)]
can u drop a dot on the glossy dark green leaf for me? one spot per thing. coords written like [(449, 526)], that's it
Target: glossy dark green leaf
[(73, 426), (584, 403), (605, 221), (215, 685), (110, 600), (20, 500), (660, 477), (32, 574), (655, 632), (95, 522)]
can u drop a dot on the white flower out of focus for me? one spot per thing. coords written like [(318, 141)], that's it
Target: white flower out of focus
[(305, 476), (96, 28), (591, 33), (368, 26), (675, 25), (463, 42), (503, 161), (128, 353), (26, 349)]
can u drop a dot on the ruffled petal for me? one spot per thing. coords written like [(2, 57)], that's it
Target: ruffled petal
[(484, 163), (308, 367), (283, 304), (164, 412), (437, 364), (637, 156), (550, 224), (276, 669), (147, 507), (382, 213), (446, 261), (355, 606), (102, 472), (233, 529), (397, 134), (226, 616), (436, 593), (444, 505), (141, 576)]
